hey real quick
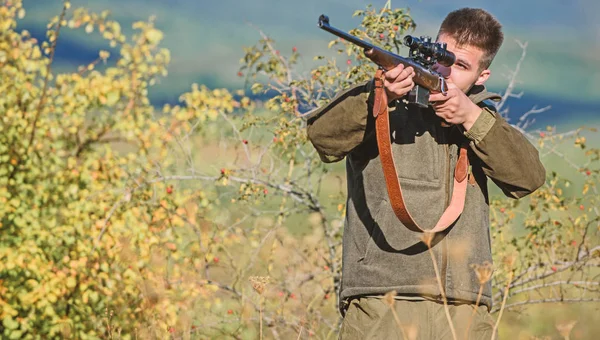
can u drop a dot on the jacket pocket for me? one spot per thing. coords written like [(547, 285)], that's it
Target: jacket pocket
[(417, 154), (374, 232)]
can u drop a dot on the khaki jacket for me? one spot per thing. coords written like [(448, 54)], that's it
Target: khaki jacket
[(379, 253)]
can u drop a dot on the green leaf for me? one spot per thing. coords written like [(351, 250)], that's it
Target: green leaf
[(112, 98), (9, 323), (16, 334)]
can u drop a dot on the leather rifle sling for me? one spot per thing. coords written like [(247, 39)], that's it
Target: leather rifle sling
[(382, 126)]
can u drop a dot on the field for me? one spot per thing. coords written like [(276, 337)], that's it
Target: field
[(125, 214)]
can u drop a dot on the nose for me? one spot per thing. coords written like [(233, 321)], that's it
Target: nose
[(441, 69)]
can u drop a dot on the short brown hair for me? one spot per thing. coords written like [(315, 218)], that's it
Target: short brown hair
[(474, 27)]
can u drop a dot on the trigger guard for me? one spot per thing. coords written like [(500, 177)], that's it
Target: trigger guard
[(443, 86)]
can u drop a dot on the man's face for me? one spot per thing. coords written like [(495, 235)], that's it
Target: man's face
[(464, 73)]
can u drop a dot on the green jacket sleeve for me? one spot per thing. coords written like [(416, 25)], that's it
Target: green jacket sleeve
[(507, 157), (337, 128)]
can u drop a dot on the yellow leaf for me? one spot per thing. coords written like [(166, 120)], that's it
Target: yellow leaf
[(71, 282), (154, 36), (104, 54), (112, 98)]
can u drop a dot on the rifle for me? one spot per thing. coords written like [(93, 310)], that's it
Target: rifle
[(423, 55)]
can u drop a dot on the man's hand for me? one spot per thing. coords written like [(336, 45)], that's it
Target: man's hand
[(455, 107), (398, 82)]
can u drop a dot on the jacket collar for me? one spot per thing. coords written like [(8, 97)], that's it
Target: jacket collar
[(478, 93)]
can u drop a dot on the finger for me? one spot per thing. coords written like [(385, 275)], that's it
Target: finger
[(407, 72), (438, 97), (450, 85), (445, 117), (401, 83), (392, 74), (438, 107), (401, 87)]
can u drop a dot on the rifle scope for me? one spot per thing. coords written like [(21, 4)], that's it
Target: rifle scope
[(425, 49)]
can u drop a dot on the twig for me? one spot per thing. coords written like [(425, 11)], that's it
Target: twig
[(495, 330), (513, 78), (530, 302), (474, 311), (427, 238), (108, 216)]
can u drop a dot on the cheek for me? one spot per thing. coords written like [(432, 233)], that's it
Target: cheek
[(462, 78)]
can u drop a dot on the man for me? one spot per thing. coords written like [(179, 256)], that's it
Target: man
[(380, 254)]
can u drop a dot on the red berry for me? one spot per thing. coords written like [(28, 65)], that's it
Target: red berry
[(292, 296), (588, 172), (216, 260), (222, 171), (171, 330), (326, 267), (581, 207), (542, 134), (287, 99), (229, 311), (265, 191), (277, 52), (170, 189), (573, 243), (245, 141), (381, 36), (274, 139), (502, 210), (553, 268), (294, 49), (280, 294), (240, 74), (326, 296), (395, 28), (349, 62)]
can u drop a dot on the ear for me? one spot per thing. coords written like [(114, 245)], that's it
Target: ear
[(483, 77)]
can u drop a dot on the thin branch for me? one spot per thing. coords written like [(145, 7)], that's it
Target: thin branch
[(561, 300), (579, 284), (513, 78), (121, 200)]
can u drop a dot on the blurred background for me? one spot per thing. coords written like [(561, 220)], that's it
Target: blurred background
[(206, 40)]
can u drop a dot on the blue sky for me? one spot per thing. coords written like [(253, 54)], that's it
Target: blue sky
[(206, 37)]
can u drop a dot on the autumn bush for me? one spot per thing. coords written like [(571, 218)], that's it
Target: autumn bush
[(214, 217)]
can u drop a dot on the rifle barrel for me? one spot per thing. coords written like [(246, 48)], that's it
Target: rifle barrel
[(388, 60), (324, 24)]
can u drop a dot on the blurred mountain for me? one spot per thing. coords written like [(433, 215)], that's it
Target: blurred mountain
[(206, 40)]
